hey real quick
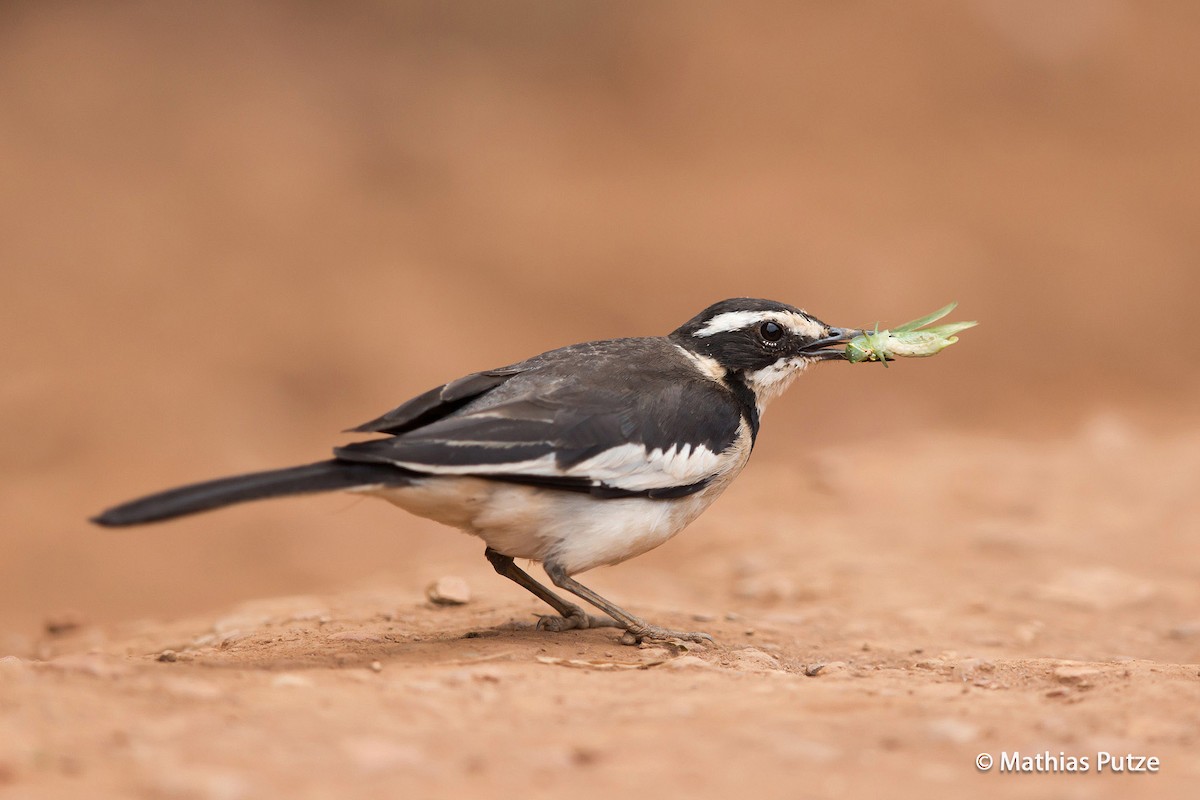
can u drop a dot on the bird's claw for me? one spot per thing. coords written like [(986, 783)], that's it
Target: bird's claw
[(639, 634)]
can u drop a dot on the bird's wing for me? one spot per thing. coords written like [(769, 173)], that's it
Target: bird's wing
[(604, 428), (437, 403)]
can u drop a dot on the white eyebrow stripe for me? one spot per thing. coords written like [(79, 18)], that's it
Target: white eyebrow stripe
[(740, 320)]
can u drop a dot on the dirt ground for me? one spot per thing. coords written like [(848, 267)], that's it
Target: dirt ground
[(882, 616), (229, 231)]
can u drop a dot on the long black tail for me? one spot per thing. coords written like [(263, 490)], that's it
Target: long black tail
[(324, 476)]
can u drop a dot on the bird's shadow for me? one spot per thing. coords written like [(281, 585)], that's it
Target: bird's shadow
[(367, 647)]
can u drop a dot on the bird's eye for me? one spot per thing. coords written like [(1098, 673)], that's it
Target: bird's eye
[(770, 331)]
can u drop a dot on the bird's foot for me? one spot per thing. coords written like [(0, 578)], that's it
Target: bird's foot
[(640, 633), (578, 619)]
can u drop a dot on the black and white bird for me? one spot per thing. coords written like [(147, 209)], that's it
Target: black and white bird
[(580, 457)]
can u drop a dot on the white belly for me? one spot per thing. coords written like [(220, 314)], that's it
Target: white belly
[(572, 529)]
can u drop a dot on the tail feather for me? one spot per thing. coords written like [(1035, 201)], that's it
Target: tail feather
[(324, 476)]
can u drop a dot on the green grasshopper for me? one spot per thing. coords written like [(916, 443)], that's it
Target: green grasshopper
[(906, 341)]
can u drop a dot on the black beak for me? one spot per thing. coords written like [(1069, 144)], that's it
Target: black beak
[(829, 348)]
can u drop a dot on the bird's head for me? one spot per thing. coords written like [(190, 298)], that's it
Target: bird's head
[(763, 342)]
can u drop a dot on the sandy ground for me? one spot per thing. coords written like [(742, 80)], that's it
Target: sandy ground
[(882, 617), (230, 230)]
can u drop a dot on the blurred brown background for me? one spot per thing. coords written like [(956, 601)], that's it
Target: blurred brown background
[(230, 230)]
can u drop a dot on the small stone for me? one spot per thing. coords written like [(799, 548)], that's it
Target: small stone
[(751, 658), (376, 666), (448, 591), (828, 668), (1187, 630), (169, 656), (63, 623)]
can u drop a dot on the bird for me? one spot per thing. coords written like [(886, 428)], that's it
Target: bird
[(581, 457)]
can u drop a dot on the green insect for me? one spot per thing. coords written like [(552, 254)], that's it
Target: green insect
[(906, 341), (868, 346)]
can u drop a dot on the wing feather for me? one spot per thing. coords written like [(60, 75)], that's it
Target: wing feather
[(660, 430), (435, 404)]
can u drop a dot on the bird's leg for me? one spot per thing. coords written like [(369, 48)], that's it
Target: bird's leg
[(570, 615), (635, 629)]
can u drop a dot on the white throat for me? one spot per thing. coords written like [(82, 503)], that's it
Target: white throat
[(770, 382)]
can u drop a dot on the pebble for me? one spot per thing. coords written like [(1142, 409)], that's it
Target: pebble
[(751, 658), (1187, 630), (448, 591), (830, 668), (63, 623)]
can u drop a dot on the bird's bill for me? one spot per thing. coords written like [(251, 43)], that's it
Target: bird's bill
[(831, 348)]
